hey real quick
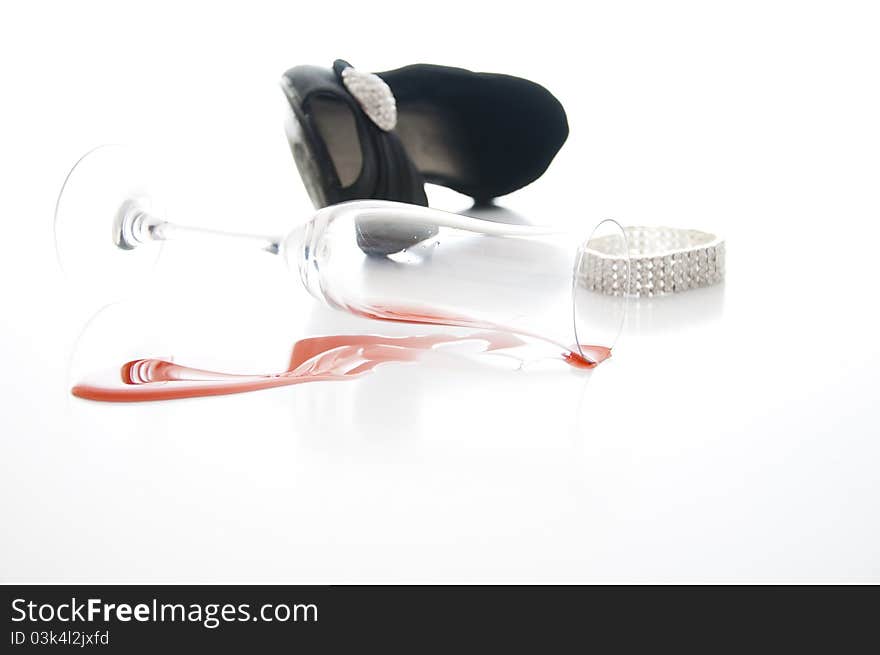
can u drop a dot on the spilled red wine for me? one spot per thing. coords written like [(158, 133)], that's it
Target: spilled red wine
[(592, 355), (342, 357), (315, 359)]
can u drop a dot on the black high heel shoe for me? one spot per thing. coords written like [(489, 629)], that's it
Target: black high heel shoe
[(359, 135), (482, 134)]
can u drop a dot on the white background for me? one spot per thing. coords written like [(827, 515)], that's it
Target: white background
[(733, 437)]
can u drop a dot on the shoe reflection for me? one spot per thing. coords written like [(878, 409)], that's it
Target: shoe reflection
[(497, 213)]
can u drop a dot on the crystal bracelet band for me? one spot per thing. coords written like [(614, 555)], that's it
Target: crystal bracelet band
[(663, 260)]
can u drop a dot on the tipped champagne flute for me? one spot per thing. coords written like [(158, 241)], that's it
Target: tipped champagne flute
[(378, 259)]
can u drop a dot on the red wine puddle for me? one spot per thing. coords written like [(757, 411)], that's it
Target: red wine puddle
[(315, 359), (588, 357)]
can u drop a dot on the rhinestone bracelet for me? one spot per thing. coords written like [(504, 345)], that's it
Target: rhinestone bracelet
[(662, 260)]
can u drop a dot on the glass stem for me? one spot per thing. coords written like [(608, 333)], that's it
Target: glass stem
[(148, 228)]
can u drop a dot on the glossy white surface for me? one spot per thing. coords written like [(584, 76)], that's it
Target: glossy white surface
[(733, 437)]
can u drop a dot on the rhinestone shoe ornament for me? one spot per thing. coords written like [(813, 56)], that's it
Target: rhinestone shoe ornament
[(373, 95)]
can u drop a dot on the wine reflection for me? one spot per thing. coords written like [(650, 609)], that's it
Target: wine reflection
[(462, 391), (160, 350)]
